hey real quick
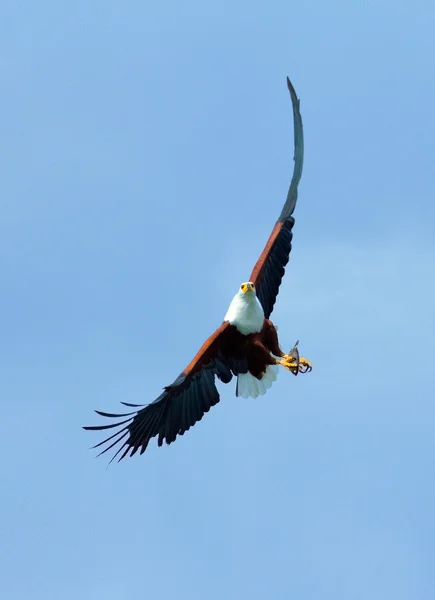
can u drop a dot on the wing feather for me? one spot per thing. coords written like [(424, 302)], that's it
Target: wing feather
[(270, 267), (181, 404)]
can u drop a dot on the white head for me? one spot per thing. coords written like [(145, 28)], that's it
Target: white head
[(245, 310)]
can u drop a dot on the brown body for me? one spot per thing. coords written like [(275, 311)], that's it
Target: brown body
[(257, 348)]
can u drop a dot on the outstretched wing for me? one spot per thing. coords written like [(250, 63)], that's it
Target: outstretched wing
[(180, 405), (270, 267)]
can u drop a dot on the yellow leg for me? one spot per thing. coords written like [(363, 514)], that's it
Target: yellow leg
[(288, 362)]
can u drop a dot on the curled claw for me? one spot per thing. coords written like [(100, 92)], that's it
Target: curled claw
[(304, 366)]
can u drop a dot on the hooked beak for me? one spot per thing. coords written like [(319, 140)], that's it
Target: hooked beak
[(247, 287)]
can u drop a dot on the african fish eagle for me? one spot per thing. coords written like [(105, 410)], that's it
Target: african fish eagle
[(245, 345)]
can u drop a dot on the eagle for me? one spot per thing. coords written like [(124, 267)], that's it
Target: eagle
[(245, 346)]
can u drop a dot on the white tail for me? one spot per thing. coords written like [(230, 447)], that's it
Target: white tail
[(250, 386)]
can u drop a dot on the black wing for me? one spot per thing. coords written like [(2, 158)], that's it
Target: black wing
[(180, 405), (270, 267)]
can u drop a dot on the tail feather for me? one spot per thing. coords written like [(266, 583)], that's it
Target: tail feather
[(249, 386)]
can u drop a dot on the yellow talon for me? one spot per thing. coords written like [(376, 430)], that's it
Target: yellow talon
[(288, 362), (294, 363)]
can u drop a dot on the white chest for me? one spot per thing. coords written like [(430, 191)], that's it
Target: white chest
[(245, 313)]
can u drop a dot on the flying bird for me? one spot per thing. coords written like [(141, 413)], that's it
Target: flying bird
[(245, 346)]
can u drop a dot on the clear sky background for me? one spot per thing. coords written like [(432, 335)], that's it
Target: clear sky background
[(146, 151)]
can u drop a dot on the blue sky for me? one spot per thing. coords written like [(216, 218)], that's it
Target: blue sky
[(146, 153)]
